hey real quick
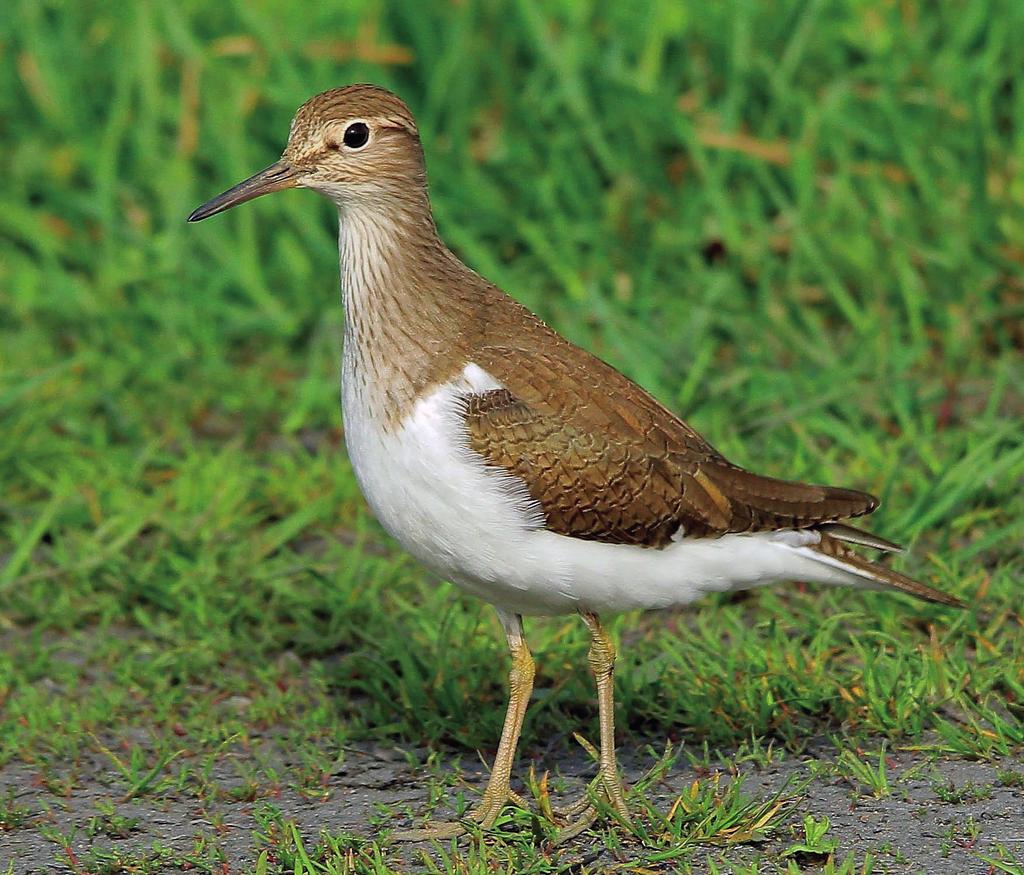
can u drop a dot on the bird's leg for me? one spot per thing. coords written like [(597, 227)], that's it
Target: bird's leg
[(609, 783), (520, 680), (602, 664), (497, 792)]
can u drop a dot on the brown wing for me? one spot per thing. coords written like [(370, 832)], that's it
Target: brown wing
[(629, 482), (621, 489), (603, 458)]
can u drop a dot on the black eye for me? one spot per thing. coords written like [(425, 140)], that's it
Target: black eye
[(356, 135)]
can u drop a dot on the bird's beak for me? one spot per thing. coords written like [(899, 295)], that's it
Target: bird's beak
[(276, 177)]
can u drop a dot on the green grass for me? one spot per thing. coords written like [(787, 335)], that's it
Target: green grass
[(800, 225)]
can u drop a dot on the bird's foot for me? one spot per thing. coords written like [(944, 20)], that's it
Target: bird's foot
[(605, 792), (483, 816)]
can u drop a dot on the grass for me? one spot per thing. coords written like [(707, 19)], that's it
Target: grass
[(799, 225)]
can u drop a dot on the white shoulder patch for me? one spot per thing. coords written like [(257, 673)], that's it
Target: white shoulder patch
[(476, 379)]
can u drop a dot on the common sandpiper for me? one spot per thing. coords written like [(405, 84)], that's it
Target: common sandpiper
[(517, 465)]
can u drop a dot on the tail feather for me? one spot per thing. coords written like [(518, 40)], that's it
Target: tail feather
[(834, 552), (765, 503), (850, 535)]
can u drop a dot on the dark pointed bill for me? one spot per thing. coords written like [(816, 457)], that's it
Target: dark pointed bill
[(276, 177)]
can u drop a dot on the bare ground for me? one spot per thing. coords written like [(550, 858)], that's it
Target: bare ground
[(941, 816)]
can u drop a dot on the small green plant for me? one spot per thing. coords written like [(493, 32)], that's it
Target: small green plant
[(109, 823), (339, 854), (847, 866), (142, 773), (895, 853), (269, 825), (716, 812), (101, 861), (866, 772), (1010, 778), (815, 847), (1003, 861), (957, 794), (13, 815), (963, 835)]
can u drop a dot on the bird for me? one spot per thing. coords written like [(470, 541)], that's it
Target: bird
[(517, 465)]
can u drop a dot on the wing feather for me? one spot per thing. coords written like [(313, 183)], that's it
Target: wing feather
[(618, 484)]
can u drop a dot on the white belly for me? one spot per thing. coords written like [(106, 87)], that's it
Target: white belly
[(457, 516), (478, 527)]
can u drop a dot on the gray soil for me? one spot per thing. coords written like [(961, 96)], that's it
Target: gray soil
[(942, 816)]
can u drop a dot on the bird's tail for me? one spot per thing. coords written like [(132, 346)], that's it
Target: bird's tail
[(834, 550)]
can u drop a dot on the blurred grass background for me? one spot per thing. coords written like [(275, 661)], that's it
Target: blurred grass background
[(800, 224)]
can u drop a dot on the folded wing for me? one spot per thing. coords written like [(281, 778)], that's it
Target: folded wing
[(627, 484)]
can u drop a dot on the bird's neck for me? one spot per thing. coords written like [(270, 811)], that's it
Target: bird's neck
[(407, 302)]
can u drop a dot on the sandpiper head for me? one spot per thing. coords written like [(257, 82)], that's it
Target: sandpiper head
[(350, 144)]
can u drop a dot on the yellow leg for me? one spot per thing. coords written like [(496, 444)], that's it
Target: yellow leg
[(497, 792), (609, 783)]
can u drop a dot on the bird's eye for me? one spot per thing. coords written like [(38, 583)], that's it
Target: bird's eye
[(356, 135)]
